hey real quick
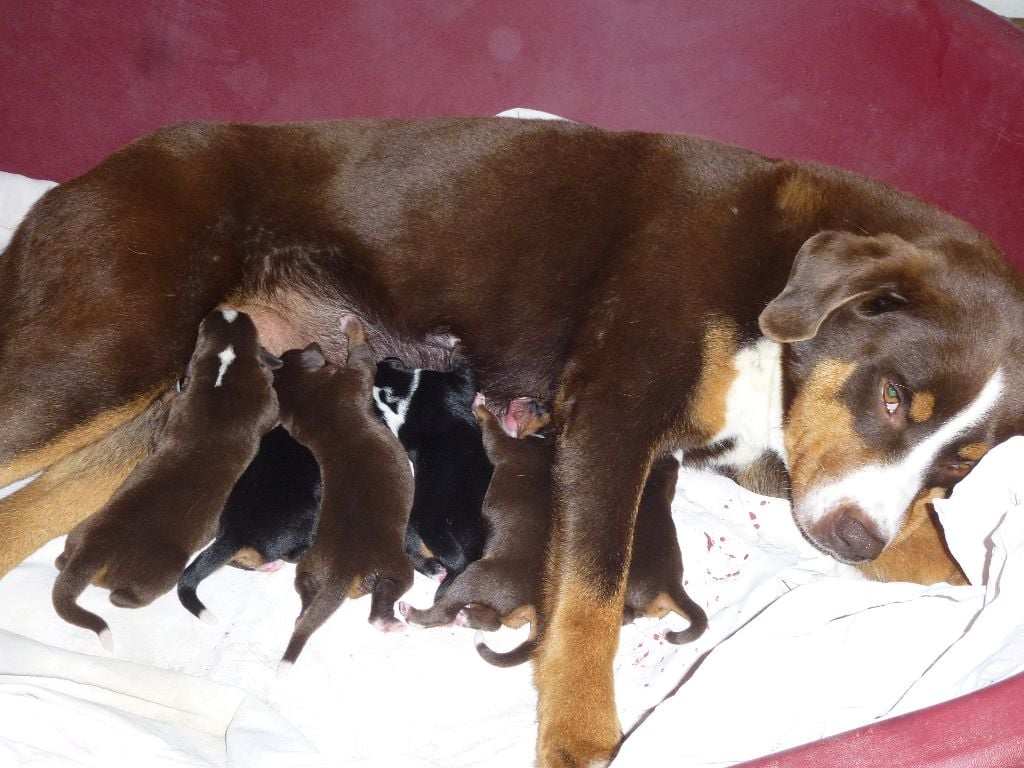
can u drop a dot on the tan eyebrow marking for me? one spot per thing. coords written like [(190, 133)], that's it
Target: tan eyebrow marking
[(922, 406), (973, 452)]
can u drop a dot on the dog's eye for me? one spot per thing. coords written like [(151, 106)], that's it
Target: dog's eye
[(890, 397)]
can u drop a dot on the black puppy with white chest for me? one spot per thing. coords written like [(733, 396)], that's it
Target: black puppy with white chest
[(432, 414), (270, 516)]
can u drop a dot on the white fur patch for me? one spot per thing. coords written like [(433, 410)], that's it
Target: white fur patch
[(226, 357), (394, 415), (229, 314), (17, 485), (753, 405), (107, 640), (884, 491)]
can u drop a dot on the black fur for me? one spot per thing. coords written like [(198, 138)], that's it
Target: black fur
[(272, 510), (451, 469)]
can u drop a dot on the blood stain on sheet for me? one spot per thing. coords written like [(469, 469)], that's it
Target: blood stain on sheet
[(711, 542), (752, 515)]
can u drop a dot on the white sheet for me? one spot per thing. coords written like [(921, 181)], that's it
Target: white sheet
[(802, 648)]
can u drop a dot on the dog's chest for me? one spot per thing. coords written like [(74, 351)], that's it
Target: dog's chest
[(752, 418)]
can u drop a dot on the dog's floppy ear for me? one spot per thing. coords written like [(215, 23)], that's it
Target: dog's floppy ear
[(833, 269)]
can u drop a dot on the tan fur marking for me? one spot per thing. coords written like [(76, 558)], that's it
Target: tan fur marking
[(356, 588), (524, 614), (918, 553), (80, 436), (922, 406), (717, 373), (799, 198), (71, 490), (247, 557), (973, 452), (425, 550), (661, 606), (821, 441), (573, 675)]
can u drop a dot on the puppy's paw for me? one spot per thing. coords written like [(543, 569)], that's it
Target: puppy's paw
[(388, 624)]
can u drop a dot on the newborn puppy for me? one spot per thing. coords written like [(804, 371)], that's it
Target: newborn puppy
[(270, 516), (654, 586), (432, 414), (504, 586), (367, 488), (139, 542)]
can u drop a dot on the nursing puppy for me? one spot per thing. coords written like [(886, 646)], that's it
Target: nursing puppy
[(432, 414), (270, 516), (367, 488), (504, 586), (138, 544), (655, 584)]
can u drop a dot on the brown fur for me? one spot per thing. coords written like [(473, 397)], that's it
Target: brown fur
[(634, 242), (139, 543), (359, 546), (654, 586), (504, 586)]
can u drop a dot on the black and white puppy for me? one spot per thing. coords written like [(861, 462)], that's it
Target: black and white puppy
[(432, 415), (270, 516)]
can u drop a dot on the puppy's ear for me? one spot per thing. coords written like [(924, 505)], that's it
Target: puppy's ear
[(273, 363), (312, 357), (833, 269)]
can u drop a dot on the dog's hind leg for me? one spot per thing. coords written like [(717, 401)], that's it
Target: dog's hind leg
[(74, 487), (318, 605), (207, 562)]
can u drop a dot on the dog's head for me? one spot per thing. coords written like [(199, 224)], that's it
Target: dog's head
[(902, 368)]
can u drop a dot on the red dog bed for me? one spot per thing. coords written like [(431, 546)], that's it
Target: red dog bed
[(925, 95)]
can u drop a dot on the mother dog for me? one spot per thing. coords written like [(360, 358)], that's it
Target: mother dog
[(664, 292)]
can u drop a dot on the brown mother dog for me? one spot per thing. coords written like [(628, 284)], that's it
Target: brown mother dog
[(663, 291)]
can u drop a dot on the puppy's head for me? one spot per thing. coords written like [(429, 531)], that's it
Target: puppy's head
[(228, 362), (902, 366)]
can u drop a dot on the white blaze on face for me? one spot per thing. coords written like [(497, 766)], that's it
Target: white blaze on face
[(229, 314), (226, 357), (394, 414), (884, 491)]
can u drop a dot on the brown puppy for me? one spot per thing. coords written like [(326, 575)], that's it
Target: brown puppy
[(359, 546), (655, 583), (139, 543), (763, 304), (504, 586)]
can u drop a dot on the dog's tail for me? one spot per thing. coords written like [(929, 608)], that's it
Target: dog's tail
[(208, 561), (518, 655), (685, 606), (70, 583), (315, 611)]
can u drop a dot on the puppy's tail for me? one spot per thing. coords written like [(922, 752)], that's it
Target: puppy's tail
[(518, 655), (71, 582), (208, 561), (685, 606), (314, 613)]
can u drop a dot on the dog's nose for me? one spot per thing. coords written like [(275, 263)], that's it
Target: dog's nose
[(853, 538)]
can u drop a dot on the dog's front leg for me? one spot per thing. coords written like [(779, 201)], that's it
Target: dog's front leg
[(599, 471)]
